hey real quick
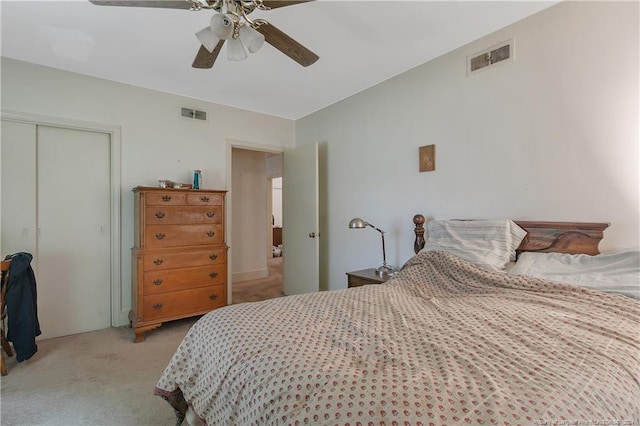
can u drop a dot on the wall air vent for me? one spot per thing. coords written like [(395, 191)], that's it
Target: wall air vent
[(193, 114), (492, 56)]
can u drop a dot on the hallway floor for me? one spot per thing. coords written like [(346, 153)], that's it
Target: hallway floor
[(263, 288)]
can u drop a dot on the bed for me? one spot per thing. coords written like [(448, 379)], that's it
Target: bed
[(445, 341)]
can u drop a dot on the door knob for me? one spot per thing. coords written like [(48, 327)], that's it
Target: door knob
[(312, 234)]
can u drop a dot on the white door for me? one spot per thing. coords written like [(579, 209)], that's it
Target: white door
[(74, 231), (300, 220), (69, 210)]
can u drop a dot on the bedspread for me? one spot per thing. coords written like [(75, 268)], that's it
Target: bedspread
[(443, 342)]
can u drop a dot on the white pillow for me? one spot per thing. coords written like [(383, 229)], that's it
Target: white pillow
[(617, 272), (489, 243)]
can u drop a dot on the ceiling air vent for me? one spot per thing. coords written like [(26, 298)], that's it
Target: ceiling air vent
[(490, 57), (193, 114)]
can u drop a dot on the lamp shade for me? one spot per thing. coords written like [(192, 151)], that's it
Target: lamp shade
[(222, 26), (235, 50), (357, 223), (251, 38), (207, 38)]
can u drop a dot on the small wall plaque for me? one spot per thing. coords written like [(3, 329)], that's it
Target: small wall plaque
[(427, 156)]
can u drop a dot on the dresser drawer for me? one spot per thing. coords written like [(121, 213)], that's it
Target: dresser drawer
[(165, 198), (171, 215), (177, 304), (204, 199), (182, 279), (182, 235), (163, 261)]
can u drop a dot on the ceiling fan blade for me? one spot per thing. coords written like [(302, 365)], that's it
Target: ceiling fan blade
[(274, 4), (206, 59), (167, 4), (287, 45)]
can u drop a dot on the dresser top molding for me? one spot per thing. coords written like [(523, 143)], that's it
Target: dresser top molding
[(156, 188)]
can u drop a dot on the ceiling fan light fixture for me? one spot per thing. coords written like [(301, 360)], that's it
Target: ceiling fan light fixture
[(235, 50), (251, 38), (230, 22), (207, 38), (222, 26)]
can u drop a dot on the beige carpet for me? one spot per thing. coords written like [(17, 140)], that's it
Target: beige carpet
[(261, 289), (97, 378), (102, 378)]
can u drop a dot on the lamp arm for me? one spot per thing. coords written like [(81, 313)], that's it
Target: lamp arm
[(376, 228), (384, 251)]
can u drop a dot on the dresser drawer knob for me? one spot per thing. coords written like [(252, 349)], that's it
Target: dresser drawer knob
[(158, 262), (159, 235), (213, 296), (213, 274), (158, 281), (159, 215), (166, 198), (213, 256), (210, 234), (210, 214), (157, 306), (204, 199)]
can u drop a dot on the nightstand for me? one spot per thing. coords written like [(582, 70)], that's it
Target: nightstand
[(364, 277)]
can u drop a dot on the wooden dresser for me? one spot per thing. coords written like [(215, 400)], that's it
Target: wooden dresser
[(179, 265)]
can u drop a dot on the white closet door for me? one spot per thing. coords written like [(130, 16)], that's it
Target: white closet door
[(18, 177), (73, 193)]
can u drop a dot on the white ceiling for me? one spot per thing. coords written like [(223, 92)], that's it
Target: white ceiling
[(360, 43)]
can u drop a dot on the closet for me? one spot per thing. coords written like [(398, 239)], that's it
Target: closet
[(56, 204)]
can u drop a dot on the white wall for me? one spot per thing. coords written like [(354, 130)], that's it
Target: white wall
[(156, 142), (274, 165), (552, 136), (249, 215), (274, 171)]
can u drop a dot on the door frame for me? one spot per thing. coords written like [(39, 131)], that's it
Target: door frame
[(251, 146), (119, 314)]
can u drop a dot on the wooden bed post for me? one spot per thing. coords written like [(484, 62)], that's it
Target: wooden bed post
[(418, 221)]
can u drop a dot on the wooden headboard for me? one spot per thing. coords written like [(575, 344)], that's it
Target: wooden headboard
[(558, 237)]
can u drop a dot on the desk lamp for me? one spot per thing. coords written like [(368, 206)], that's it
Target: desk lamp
[(385, 269)]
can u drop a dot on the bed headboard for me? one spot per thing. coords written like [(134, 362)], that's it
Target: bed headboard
[(559, 237)]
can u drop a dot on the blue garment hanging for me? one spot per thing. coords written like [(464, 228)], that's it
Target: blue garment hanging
[(22, 308)]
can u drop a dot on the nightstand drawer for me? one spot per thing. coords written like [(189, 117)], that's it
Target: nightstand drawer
[(365, 277), (357, 282)]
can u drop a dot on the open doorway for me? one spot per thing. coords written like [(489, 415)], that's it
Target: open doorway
[(257, 264), (277, 249)]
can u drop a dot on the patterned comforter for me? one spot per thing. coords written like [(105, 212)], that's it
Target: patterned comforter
[(443, 342)]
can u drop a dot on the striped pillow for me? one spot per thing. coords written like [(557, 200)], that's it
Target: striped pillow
[(491, 244)]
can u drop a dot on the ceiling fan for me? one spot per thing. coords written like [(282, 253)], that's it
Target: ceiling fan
[(231, 24)]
